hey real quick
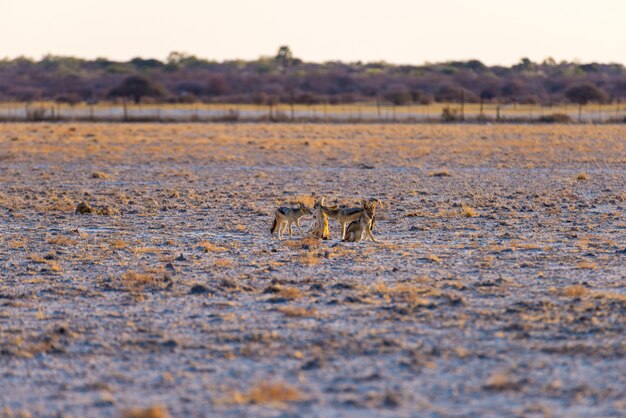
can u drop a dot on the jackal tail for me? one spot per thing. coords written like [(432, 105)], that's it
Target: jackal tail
[(274, 226)]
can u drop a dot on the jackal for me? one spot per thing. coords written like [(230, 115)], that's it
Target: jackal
[(357, 229), (345, 215), (286, 217), (320, 227)]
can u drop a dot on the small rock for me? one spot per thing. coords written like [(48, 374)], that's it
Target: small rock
[(83, 208), (391, 400), (198, 289)]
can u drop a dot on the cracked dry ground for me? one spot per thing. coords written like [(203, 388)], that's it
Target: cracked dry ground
[(497, 288)]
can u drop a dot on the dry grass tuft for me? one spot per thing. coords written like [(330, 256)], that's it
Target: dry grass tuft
[(298, 312), (309, 259), (306, 200), (290, 293), (146, 250), (468, 212), (61, 240), (441, 173), (208, 247), (118, 244), (83, 208), (303, 243), (500, 381), (133, 279), (18, 243), (610, 296), (99, 175), (574, 291), (582, 176), (407, 293), (587, 265), (222, 263), (266, 393), (52, 265), (151, 412)]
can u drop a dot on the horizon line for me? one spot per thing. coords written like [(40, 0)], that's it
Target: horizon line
[(577, 61)]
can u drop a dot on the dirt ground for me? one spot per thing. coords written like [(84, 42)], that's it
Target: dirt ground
[(498, 287)]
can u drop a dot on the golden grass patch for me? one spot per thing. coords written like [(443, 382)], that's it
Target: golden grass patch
[(306, 200), (574, 291), (586, 265), (222, 263), (610, 296), (441, 173), (61, 240), (118, 244), (18, 243), (134, 281), (266, 393), (582, 176), (405, 292), (150, 412), (309, 259), (296, 311), (208, 247), (501, 381), (468, 212), (306, 243), (290, 293), (146, 250), (99, 175), (52, 264)]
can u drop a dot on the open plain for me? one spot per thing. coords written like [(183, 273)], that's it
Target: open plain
[(498, 287)]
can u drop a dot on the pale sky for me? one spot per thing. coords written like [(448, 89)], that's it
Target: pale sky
[(396, 31)]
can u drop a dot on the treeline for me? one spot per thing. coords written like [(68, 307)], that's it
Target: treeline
[(283, 78)]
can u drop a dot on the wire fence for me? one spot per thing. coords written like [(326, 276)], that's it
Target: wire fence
[(366, 112)]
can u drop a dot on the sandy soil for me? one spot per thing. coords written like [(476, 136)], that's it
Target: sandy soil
[(498, 288)]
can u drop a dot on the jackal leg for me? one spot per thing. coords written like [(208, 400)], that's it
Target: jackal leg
[(290, 229), (369, 234), (281, 228), (299, 229)]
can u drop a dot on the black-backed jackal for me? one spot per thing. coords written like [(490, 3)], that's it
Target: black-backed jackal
[(286, 217), (360, 228), (345, 215), (320, 227)]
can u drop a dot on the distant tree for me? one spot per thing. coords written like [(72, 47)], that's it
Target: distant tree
[(398, 94), (514, 88), (143, 64), (217, 85), (583, 94), (525, 64), (475, 65), (284, 56), (136, 87)]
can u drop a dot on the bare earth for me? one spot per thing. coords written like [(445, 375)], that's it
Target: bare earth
[(498, 287)]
